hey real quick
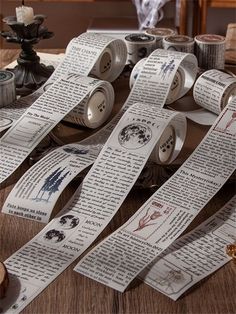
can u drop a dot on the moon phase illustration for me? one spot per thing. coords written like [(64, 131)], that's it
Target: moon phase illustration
[(134, 136)]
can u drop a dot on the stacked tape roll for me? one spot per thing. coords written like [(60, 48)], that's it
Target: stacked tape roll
[(210, 51), (179, 43), (160, 33), (142, 129)]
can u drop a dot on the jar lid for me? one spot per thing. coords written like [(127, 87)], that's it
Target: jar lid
[(210, 39), (139, 37), (179, 39)]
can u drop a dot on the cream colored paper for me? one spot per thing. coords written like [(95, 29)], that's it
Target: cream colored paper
[(195, 255), (167, 213), (148, 88), (103, 190)]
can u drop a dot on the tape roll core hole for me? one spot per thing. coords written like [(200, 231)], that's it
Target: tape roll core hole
[(167, 144), (175, 87), (96, 108), (105, 63)]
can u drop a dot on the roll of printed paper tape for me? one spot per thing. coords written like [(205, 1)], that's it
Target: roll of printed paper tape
[(183, 80), (97, 107), (210, 51), (214, 89), (160, 33), (103, 66), (179, 43), (3, 280), (106, 54), (7, 88), (139, 46)]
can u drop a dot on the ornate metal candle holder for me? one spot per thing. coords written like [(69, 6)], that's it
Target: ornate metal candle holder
[(30, 74)]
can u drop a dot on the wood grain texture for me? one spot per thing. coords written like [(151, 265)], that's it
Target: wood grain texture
[(73, 293)]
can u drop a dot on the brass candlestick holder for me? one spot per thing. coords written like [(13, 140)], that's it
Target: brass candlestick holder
[(30, 74)]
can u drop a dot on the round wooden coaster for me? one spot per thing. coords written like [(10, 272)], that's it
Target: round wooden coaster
[(3, 280)]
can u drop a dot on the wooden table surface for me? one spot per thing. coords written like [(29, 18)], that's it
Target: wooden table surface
[(74, 293)]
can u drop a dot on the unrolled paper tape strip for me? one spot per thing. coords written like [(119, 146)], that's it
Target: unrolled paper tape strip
[(139, 46), (166, 145), (210, 51), (214, 89), (7, 88), (179, 260), (129, 139), (179, 43), (100, 195)]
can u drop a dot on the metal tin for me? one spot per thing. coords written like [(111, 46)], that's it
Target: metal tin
[(7, 88), (210, 51)]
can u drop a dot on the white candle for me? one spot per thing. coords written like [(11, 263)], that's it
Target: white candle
[(24, 14)]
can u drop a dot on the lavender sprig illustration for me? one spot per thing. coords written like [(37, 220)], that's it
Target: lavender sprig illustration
[(147, 220)]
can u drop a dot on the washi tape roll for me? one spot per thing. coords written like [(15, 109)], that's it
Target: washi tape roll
[(97, 106), (214, 89), (183, 79), (4, 281), (139, 46), (7, 88), (179, 43), (210, 51), (159, 33)]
